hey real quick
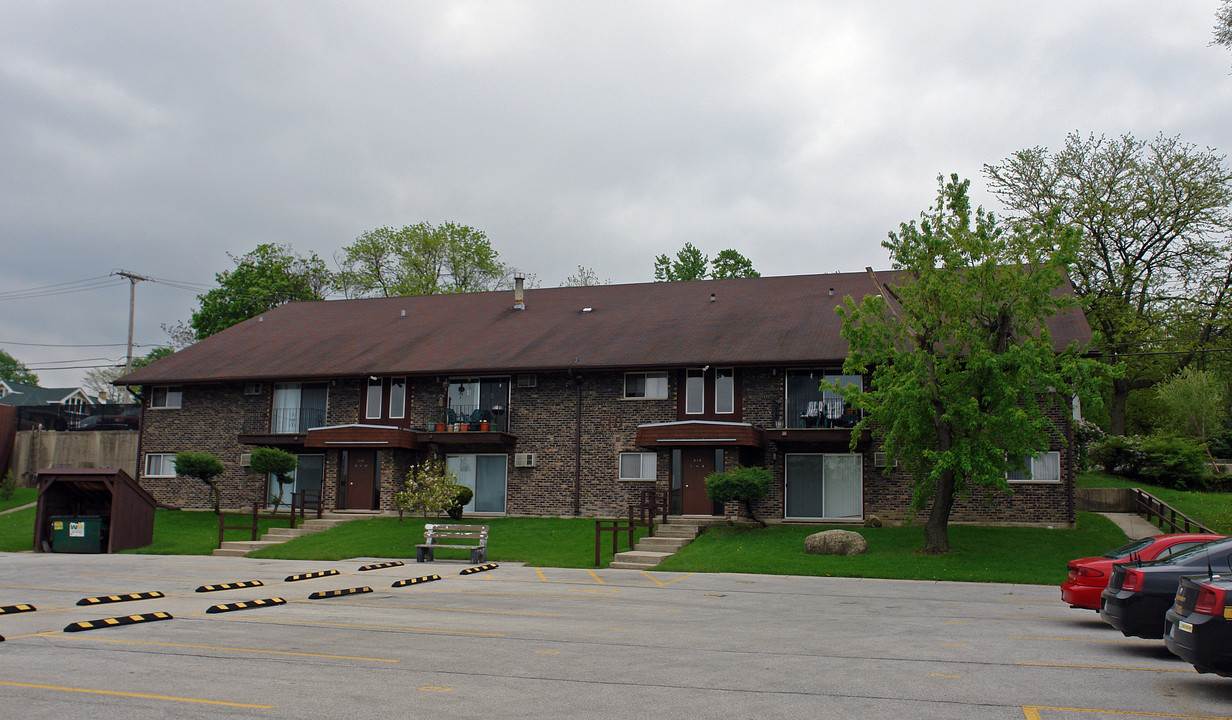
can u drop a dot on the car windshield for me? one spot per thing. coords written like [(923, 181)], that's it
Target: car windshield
[(1127, 549), (1195, 551)]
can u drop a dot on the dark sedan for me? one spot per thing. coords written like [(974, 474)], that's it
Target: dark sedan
[(1138, 595), (1198, 627)]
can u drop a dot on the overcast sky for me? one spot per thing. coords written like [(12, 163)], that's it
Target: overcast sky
[(157, 136)]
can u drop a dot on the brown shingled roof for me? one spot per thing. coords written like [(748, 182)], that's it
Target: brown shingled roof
[(754, 321)]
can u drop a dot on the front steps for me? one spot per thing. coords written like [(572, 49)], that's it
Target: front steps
[(668, 538), (279, 535)]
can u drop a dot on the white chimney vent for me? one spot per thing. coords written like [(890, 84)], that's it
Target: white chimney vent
[(519, 295)]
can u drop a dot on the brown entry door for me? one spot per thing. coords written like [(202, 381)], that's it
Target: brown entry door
[(696, 464), (359, 490)]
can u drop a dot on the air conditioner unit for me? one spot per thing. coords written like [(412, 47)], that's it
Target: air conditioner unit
[(879, 460), (252, 388), (528, 381), (523, 459), (245, 459)]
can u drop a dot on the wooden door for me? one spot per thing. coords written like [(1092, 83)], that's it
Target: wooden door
[(360, 489), (696, 464)]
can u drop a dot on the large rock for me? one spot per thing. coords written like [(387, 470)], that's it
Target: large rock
[(835, 542)]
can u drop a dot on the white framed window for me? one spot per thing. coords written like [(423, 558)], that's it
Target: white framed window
[(397, 397), (372, 409), (823, 486), (646, 386), (638, 465), (724, 391), (695, 391), (485, 475), (1043, 468), (166, 396), (160, 464)]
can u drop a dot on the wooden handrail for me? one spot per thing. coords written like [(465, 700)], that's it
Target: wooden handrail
[(1169, 518), (252, 526)]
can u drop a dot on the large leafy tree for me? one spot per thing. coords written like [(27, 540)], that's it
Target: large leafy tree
[(14, 370), (962, 364), (269, 276), (1223, 24), (1153, 264), (423, 259), (692, 264), (98, 380)]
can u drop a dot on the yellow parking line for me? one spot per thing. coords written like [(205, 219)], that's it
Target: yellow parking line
[(1031, 712), (238, 649), (380, 627), (442, 609), (134, 695), (596, 577), (542, 577), (1107, 667)]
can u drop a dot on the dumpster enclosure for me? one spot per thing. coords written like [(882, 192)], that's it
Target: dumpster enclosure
[(91, 510)]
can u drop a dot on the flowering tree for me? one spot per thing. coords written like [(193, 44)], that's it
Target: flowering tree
[(430, 488)]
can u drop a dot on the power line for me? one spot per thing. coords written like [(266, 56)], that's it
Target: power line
[(55, 345)]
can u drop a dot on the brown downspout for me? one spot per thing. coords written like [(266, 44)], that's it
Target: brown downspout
[(577, 456)]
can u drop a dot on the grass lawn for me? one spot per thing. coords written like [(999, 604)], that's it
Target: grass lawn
[(195, 532), (541, 542), (17, 531), (982, 554), (1213, 509), (21, 496)]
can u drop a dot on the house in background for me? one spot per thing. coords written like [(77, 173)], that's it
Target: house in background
[(52, 408), (561, 401)]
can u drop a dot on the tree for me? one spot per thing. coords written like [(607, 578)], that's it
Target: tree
[(961, 360), (1193, 402), (693, 264), (279, 463), (205, 467), (1223, 25), (269, 276), (1154, 254), (745, 485), (14, 370), (731, 264), (584, 277), (430, 488), (99, 380), (421, 259)]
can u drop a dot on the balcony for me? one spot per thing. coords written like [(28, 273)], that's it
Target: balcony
[(464, 418), (287, 426)]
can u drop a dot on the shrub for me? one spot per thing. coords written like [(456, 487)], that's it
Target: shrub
[(460, 498), (1119, 454), (279, 463), (742, 484), (1173, 462), (8, 486), (205, 467), (1087, 436), (430, 488)]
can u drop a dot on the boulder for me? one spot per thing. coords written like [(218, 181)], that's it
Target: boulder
[(835, 542)]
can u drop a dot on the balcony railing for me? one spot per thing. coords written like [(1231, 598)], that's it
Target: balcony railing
[(472, 415), (826, 413), (295, 420)]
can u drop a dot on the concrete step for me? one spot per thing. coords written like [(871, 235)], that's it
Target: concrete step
[(638, 559), (229, 552), (658, 543), (288, 532), (676, 531), (241, 547)]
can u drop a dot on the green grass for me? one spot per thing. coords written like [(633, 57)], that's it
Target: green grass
[(17, 531), (193, 532), (1213, 509), (21, 496), (540, 542), (982, 554)]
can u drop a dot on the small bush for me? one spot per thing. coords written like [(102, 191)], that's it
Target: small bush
[(1119, 454), (1173, 462), (462, 497), (8, 486), (743, 485)]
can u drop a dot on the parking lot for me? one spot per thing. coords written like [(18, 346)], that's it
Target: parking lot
[(516, 642)]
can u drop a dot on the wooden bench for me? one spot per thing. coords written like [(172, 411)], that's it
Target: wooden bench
[(475, 535)]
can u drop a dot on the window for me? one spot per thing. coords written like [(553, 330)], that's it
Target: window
[(1045, 467), (160, 465), (647, 385), (638, 466), (397, 397), (309, 474), (473, 400), (297, 407), (810, 406), (824, 486), (724, 391), (166, 396), (373, 408), (695, 392), (485, 476)]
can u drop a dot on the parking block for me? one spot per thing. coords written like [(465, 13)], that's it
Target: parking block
[(481, 568), (115, 621), (339, 593), (230, 586), (119, 598), (246, 605), (416, 581), (382, 566), (311, 575), (10, 609)]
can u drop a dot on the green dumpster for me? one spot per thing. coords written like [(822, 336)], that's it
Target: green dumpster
[(77, 533)]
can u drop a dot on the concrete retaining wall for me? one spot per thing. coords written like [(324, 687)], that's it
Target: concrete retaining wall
[(38, 449), (1104, 499)]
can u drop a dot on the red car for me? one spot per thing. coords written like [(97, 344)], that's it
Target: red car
[(1089, 576)]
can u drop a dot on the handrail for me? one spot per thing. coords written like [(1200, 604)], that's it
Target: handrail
[(615, 527), (1169, 518), (303, 500), (252, 526)]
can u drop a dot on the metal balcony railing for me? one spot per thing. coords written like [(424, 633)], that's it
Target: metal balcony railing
[(295, 420)]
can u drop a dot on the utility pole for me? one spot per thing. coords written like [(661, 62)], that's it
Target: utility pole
[(133, 279)]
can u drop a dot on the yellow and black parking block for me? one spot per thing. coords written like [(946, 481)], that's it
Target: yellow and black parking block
[(339, 593), (382, 566), (246, 605), (10, 609), (481, 568), (311, 575), (116, 621), (416, 581), (230, 586), (119, 598)]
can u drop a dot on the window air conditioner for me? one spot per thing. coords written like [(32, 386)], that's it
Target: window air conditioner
[(526, 460), (245, 459), (528, 381), (879, 460)]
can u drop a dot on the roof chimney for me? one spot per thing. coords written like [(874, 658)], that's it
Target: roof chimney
[(519, 298)]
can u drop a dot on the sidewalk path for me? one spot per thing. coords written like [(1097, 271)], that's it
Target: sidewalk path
[(1135, 526)]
